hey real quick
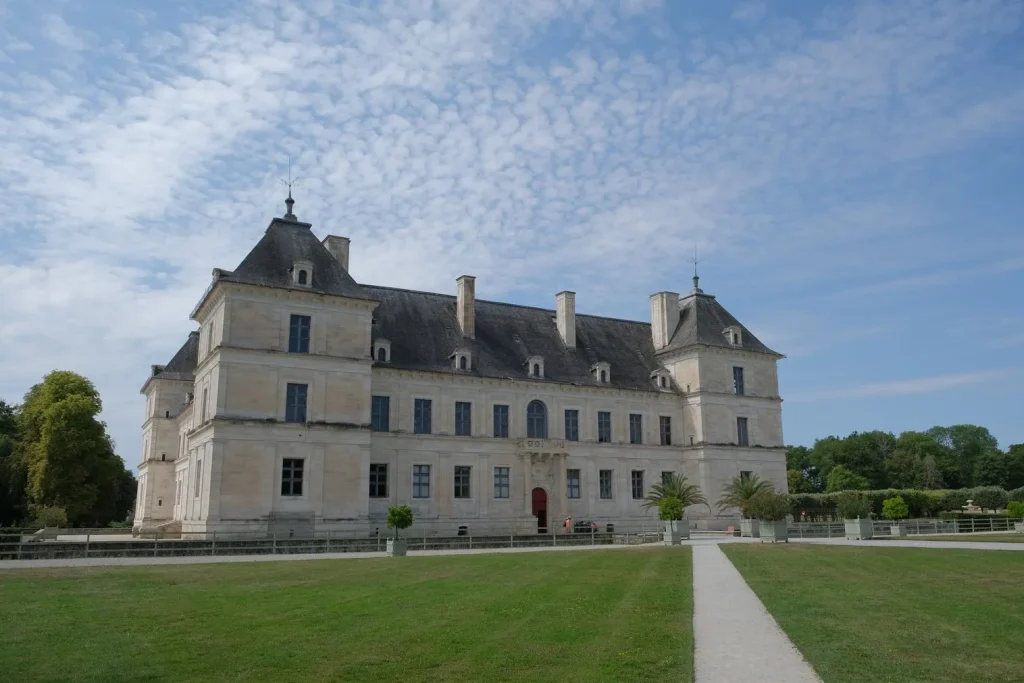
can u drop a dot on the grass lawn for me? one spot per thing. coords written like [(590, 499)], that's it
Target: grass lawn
[(894, 614), (616, 615), (979, 538)]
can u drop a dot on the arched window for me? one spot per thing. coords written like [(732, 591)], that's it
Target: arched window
[(462, 362), (382, 355), (536, 370), (664, 383), (302, 277), (536, 420), (604, 376)]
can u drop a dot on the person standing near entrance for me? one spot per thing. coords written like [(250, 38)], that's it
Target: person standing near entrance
[(568, 524)]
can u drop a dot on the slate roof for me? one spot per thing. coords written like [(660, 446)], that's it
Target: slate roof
[(182, 365), (285, 242), (702, 321)]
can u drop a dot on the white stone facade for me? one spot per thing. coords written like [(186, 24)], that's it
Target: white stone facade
[(218, 443)]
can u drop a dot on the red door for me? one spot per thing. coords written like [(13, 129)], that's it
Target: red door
[(540, 509)]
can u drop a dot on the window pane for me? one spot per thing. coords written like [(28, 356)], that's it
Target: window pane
[(462, 476), (665, 476), (572, 483), (380, 413), (666, 430), (421, 481), (606, 484), (604, 427), (295, 407), (572, 425), (298, 334), (501, 421), (737, 380), (291, 477), (378, 480), (636, 428), (536, 420), (638, 484), (741, 431), (501, 482), (463, 418), (421, 416)]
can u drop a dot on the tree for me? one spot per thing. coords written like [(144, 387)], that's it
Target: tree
[(909, 466), (797, 483), (992, 469), (842, 479), (770, 507), (670, 508), (966, 444), (675, 486), (895, 508), (69, 457), (804, 461), (399, 517), (1015, 458), (741, 491), (13, 474)]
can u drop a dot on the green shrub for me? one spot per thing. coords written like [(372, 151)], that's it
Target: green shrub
[(895, 509), (852, 505), (769, 507), (670, 508), (1017, 495), (399, 517), (51, 516), (990, 497), (1015, 509), (955, 499)]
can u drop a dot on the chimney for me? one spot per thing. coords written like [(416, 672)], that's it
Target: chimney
[(565, 304), (664, 318), (338, 246), (466, 305)]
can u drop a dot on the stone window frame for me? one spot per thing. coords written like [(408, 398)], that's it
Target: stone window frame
[(565, 422), (465, 487), (381, 344), (462, 360), (387, 418), (288, 417), (663, 422), (292, 482), (742, 431), (298, 268), (633, 484), (662, 379), (296, 329), (535, 363), (430, 403), (428, 484), (610, 480), (546, 423), (494, 420), (640, 430), (571, 488), (601, 413), (375, 481), (733, 335), (738, 381), (468, 419), (602, 372), (507, 485)]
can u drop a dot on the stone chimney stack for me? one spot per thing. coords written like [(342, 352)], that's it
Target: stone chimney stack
[(566, 318), (338, 246), (664, 317), (466, 305)]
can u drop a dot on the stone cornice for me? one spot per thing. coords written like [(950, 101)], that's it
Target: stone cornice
[(219, 289), (704, 392), (698, 348)]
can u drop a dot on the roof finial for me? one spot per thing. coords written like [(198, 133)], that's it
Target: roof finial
[(696, 278), (289, 203)]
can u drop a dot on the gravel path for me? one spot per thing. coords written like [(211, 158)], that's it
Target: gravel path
[(735, 639)]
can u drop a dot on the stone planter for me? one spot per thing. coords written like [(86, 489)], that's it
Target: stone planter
[(1018, 527), (775, 531), (676, 531), (858, 529), (396, 547), (749, 528), (897, 531)]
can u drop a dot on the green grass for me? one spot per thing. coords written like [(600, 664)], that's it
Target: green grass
[(894, 614), (978, 538), (623, 615)]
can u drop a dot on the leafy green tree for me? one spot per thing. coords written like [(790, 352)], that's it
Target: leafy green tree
[(913, 463), (399, 517), (966, 444), (670, 508), (842, 479), (13, 474), (51, 516), (674, 486), (770, 507), (804, 461), (931, 474), (992, 469), (797, 483), (741, 491), (895, 508), (1015, 458)]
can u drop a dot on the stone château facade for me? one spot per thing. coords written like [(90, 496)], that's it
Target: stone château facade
[(308, 402)]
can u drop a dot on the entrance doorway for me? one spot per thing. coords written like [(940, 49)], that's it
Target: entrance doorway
[(540, 509)]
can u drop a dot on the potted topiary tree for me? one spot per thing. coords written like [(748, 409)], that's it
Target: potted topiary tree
[(399, 517), (670, 511), (895, 509), (771, 509), (855, 510), (1015, 509), (738, 494)]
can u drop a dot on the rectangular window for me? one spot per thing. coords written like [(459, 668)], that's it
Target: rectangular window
[(745, 475), (463, 418), (380, 413), (636, 428), (462, 474), (298, 334), (742, 438), (378, 480), (572, 425), (421, 416), (638, 484), (604, 427), (199, 477), (666, 430), (606, 484), (421, 481), (737, 381), (572, 483), (295, 407), (501, 482), (291, 477), (665, 476), (501, 422)]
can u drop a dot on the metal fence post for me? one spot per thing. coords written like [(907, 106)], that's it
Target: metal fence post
[(273, 547), (972, 525), (87, 545), (511, 541), (213, 545)]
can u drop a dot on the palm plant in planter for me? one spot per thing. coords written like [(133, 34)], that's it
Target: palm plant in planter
[(739, 494), (399, 517), (670, 511), (771, 509), (895, 509), (674, 486), (855, 510), (1015, 509)]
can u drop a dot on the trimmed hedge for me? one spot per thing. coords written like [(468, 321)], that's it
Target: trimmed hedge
[(821, 507)]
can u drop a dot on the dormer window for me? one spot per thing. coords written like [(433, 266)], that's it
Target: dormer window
[(535, 366), (602, 372), (382, 350), (734, 335), (302, 273), (662, 379), (462, 360)]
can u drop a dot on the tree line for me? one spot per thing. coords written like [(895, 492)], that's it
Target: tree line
[(957, 457), (57, 462)]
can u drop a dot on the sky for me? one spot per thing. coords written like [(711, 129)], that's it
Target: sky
[(849, 173)]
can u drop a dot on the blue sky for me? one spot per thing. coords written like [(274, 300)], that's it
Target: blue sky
[(850, 172)]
